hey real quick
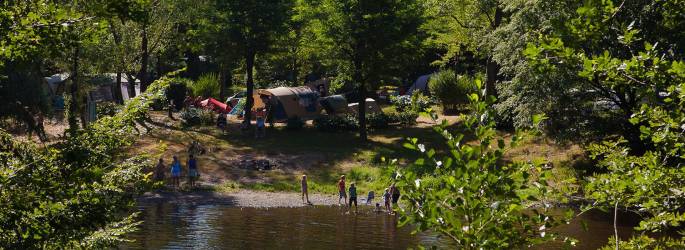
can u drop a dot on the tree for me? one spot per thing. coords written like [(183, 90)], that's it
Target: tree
[(599, 47), (466, 192), (465, 25), (79, 192), (252, 27), (365, 36)]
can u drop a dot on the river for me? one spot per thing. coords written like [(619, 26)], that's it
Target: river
[(211, 226)]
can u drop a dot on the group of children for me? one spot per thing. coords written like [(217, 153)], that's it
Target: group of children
[(176, 170), (390, 196)]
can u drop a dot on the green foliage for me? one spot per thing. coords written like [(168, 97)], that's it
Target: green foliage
[(404, 119), (466, 191), (294, 123), (107, 109), (196, 116), (378, 120), (207, 86), (417, 102), (450, 89), (77, 193), (341, 123)]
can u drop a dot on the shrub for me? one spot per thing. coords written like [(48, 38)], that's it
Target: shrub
[(450, 89), (403, 118), (177, 90), (194, 116), (377, 120), (417, 102), (401, 103), (294, 123), (341, 123), (107, 109), (207, 86)]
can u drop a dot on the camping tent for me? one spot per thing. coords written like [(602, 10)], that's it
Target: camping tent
[(215, 105), (288, 102), (371, 107), (335, 104), (421, 84)]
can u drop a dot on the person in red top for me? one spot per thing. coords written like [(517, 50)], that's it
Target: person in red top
[(341, 190)]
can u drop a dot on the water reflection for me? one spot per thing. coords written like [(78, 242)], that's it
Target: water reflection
[(181, 226), (219, 226)]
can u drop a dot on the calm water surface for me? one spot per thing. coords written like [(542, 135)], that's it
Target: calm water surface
[(212, 226)]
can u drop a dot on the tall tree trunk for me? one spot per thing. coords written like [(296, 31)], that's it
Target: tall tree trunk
[(224, 79), (491, 67), (249, 65), (131, 86), (116, 91), (362, 99), (73, 91), (143, 74)]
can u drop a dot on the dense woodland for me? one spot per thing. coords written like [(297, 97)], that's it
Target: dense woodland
[(605, 74)]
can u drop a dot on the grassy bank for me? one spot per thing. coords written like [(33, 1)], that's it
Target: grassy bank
[(323, 157)]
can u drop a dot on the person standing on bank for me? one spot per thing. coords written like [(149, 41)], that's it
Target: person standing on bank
[(192, 171), (341, 190), (175, 172), (305, 193), (353, 196)]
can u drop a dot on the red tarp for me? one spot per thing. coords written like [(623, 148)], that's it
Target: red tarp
[(215, 105)]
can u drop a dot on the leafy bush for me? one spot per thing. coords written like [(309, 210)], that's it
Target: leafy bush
[(341, 123), (378, 120), (177, 90), (417, 102), (107, 109), (207, 86), (466, 192), (294, 123), (401, 103), (194, 116), (451, 89), (404, 119)]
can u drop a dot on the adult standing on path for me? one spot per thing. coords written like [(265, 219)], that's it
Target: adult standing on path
[(192, 171), (305, 193), (175, 173), (341, 190)]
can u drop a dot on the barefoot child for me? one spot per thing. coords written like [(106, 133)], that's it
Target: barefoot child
[(353, 196), (175, 173), (386, 200), (304, 190), (341, 190)]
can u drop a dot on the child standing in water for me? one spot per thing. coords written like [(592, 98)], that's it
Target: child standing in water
[(304, 190), (175, 173), (386, 200), (353, 197), (369, 197), (192, 171)]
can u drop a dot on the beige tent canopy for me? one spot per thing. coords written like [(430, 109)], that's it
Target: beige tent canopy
[(289, 102)]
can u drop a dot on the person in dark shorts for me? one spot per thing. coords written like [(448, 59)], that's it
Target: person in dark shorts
[(341, 190), (159, 171), (395, 193), (386, 200), (192, 171), (305, 193), (353, 197)]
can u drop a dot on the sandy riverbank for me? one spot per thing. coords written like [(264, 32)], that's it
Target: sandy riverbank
[(240, 198)]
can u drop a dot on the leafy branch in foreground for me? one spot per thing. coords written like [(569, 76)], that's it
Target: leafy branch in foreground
[(470, 194), (76, 193)]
